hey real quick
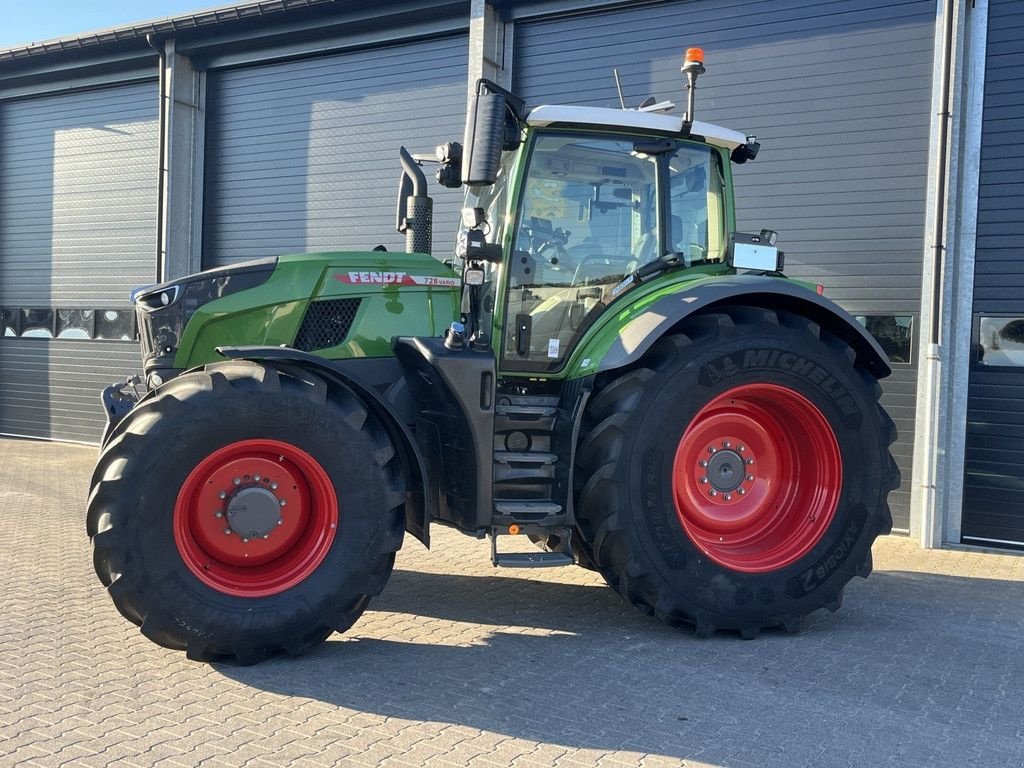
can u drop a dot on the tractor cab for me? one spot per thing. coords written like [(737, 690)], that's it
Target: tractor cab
[(568, 209)]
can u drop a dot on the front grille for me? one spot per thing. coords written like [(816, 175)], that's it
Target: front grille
[(326, 324)]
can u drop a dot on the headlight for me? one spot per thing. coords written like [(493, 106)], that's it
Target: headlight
[(164, 310)]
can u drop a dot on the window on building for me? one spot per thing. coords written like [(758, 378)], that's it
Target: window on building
[(894, 334), (1001, 341)]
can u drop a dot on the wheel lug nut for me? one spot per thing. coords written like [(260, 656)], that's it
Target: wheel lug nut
[(222, 495), (703, 481), (712, 449), (740, 448), (257, 478), (266, 535), (280, 522), (218, 514), (702, 463), (750, 461), (245, 541), (227, 531), (714, 492), (749, 478), (728, 497), (741, 491), (726, 444), (283, 502), (273, 486), (237, 481)]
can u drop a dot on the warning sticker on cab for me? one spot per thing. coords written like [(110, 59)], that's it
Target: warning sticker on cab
[(395, 278)]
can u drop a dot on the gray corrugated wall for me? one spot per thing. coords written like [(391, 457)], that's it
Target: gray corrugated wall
[(78, 211), (994, 481), (839, 95), (303, 155)]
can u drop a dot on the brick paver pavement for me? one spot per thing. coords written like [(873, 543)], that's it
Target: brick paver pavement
[(460, 664)]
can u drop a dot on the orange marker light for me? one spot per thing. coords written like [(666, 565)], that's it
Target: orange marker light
[(695, 54), (513, 529)]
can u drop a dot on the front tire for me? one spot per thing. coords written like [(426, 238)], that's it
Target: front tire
[(737, 478), (246, 510)]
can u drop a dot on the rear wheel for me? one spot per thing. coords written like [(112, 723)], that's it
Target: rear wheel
[(245, 510), (737, 477)]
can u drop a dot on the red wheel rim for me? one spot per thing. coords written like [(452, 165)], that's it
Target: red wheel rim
[(255, 518), (757, 477)]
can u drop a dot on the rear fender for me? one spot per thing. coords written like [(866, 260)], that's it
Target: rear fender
[(418, 505), (639, 330)]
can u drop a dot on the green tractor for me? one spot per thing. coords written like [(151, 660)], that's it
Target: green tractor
[(604, 366)]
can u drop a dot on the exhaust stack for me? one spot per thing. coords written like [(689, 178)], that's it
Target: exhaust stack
[(415, 217), (693, 67)]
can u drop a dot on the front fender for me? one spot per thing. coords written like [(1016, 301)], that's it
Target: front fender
[(419, 506), (635, 329)]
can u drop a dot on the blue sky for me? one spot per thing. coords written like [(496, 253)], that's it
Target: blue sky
[(26, 21)]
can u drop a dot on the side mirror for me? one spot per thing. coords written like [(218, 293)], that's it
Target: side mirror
[(492, 125)]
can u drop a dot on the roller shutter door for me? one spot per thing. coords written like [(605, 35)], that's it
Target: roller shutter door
[(303, 155), (842, 172), (78, 212), (993, 510)]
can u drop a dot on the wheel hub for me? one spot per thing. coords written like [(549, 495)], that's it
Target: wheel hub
[(254, 512), (255, 517), (757, 477), (726, 470)]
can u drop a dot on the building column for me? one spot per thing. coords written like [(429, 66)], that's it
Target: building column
[(490, 46), (182, 117), (940, 428)]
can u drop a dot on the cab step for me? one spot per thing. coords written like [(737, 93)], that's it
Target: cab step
[(537, 559)]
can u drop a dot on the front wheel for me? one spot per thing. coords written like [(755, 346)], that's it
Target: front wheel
[(245, 510), (738, 477)]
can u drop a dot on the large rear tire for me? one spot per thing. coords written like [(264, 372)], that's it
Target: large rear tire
[(737, 478), (246, 510)]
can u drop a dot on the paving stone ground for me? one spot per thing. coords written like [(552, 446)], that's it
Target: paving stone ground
[(459, 664)]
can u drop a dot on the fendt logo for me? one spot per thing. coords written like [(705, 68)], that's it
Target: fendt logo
[(394, 278), (380, 278)]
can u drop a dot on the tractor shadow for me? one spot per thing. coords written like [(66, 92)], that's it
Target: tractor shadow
[(572, 665)]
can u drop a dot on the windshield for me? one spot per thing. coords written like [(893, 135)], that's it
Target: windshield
[(589, 217)]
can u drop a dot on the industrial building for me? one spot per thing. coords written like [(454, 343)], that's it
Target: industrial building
[(890, 165)]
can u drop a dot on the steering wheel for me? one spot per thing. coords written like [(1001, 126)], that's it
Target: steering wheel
[(543, 237)]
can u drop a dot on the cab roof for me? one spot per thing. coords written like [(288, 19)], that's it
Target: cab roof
[(631, 118)]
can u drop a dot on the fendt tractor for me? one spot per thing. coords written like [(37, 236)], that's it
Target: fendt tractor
[(603, 366)]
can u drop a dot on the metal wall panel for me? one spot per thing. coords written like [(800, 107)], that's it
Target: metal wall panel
[(993, 508), (839, 95), (78, 211), (303, 155)]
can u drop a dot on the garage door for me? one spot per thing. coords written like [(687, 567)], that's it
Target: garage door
[(842, 171), (303, 155), (993, 511), (78, 210)]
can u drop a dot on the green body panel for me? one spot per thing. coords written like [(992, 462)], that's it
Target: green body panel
[(270, 314), (599, 339)]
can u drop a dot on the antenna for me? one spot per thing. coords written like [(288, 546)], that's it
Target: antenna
[(618, 87)]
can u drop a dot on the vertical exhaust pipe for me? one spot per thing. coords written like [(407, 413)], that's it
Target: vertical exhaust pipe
[(415, 217)]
